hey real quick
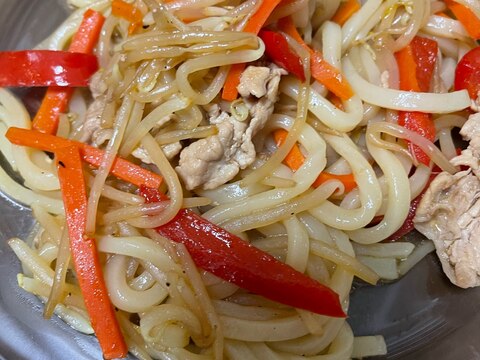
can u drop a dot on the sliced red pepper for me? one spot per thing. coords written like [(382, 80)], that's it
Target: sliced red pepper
[(467, 73), (233, 259), (278, 50), (28, 68), (56, 98), (85, 256), (416, 63), (422, 124)]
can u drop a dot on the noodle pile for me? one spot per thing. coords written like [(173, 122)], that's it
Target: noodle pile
[(155, 94)]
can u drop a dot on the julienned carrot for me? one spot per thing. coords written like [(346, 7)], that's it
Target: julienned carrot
[(85, 256), (322, 71), (287, 25), (294, 160), (253, 25), (121, 168), (128, 12), (230, 91), (56, 99), (347, 180), (407, 69), (86, 37), (256, 22), (466, 16), (54, 103), (345, 11), (329, 76)]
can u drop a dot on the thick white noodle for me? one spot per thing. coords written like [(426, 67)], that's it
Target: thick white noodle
[(325, 111), (366, 179), (404, 100)]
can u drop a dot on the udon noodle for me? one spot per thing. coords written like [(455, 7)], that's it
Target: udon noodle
[(158, 93)]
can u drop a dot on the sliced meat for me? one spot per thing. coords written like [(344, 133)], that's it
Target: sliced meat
[(93, 118), (471, 155), (215, 160), (449, 214), (210, 162), (170, 151)]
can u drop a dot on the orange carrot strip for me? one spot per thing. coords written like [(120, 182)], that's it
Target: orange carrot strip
[(294, 158), (86, 37), (329, 76), (254, 25), (121, 168), (287, 25), (256, 22), (54, 103), (322, 71), (345, 11), (128, 12), (442, 14), (335, 100), (230, 91), (407, 69), (347, 180), (85, 256), (56, 99), (466, 16)]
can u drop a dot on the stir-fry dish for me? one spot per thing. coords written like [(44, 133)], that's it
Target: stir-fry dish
[(209, 176)]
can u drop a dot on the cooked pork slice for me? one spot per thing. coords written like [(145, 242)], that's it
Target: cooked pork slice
[(170, 151), (93, 118), (449, 214), (210, 162), (215, 160), (471, 155)]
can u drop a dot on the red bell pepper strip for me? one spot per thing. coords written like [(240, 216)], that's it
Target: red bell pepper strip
[(254, 25), (416, 63), (28, 68), (467, 73), (56, 99), (85, 256), (121, 168), (278, 50), (233, 259)]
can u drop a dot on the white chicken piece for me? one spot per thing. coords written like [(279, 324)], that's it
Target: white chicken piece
[(449, 213), (93, 118), (213, 161), (471, 155), (170, 151)]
